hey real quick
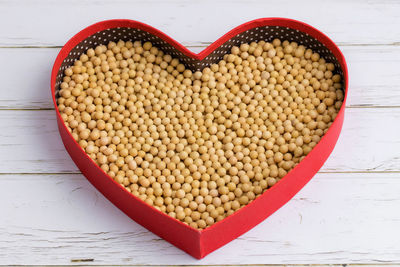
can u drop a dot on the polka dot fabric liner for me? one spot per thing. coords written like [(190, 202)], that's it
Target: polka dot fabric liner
[(265, 33)]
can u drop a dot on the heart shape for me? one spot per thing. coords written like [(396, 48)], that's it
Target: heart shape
[(199, 243)]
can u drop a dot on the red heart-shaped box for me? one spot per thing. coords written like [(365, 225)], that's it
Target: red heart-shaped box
[(199, 243)]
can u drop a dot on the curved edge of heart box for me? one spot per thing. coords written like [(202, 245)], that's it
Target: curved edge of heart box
[(199, 243)]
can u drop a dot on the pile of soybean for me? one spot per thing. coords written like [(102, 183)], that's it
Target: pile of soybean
[(198, 146)]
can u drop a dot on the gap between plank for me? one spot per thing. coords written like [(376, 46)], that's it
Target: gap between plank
[(347, 107), (73, 261), (201, 44), (79, 173)]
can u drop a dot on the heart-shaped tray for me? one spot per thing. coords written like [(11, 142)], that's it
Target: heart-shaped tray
[(199, 243)]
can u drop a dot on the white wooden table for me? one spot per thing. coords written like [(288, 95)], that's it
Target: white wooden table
[(348, 214)]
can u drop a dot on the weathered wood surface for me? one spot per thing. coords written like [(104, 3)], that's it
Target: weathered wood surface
[(348, 213), (336, 218)]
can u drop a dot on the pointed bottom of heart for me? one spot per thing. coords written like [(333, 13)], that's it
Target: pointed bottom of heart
[(199, 243)]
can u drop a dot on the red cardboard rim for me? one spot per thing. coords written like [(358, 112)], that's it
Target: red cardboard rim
[(199, 243)]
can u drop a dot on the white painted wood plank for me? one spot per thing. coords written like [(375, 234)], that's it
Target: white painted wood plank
[(370, 141), (336, 218), (48, 23), (374, 76), (26, 77), (30, 143)]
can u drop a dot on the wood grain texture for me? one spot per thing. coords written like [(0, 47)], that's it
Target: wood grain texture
[(336, 218), (49, 23), (347, 215), (369, 141), (373, 71)]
